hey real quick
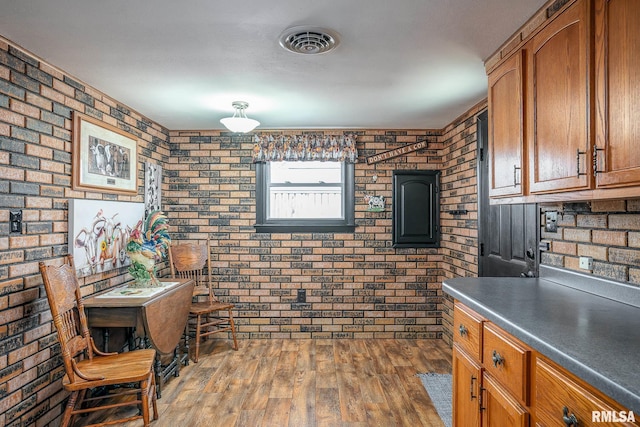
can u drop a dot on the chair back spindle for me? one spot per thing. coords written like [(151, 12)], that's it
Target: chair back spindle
[(188, 261)]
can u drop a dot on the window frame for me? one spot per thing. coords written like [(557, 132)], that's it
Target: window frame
[(266, 225)]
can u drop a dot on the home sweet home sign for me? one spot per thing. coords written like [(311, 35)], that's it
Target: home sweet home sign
[(396, 152)]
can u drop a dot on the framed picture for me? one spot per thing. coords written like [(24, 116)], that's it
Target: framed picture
[(105, 158), (98, 233), (152, 187)]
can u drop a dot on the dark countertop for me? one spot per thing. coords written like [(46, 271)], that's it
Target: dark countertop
[(595, 338)]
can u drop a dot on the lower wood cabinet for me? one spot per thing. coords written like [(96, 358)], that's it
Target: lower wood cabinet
[(490, 374), (498, 407), (498, 381), (466, 389), (560, 400)]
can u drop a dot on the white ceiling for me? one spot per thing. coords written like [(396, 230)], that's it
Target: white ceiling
[(403, 64)]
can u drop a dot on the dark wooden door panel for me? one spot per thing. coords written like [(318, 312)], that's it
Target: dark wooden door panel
[(507, 234), (511, 239), (416, 209)]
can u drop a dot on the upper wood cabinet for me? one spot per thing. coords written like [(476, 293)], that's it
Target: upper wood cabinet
[(506, 127), (617, 92), (578, 101), (558, 87)]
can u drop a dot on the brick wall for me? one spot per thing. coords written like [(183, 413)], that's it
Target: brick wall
[(459, 192), (607, 231), (357, 284), (36, 105)]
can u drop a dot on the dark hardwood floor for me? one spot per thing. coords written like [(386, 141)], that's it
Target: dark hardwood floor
[(300, 382)]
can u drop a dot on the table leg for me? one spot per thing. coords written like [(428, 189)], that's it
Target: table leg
[(159, 376)]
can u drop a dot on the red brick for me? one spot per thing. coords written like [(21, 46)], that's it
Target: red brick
[(12, 118), (624, 256), (564, 248), (608, 206), (624, 222), (596, 252), (577, 235), (609, 238)]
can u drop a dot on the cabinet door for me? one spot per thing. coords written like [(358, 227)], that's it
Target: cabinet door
[(506, 128), (498, 408), (466, 386), (558, 126), (617, 45), (416, 209)]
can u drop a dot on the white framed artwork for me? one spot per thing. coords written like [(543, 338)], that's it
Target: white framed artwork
[(98, 233)]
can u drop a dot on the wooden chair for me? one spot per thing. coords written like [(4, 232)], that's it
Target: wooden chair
[(86, 367), (188, 260)]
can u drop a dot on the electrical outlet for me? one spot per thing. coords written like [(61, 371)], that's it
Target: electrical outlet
[(302, 295), (586, 263), (551, 222)]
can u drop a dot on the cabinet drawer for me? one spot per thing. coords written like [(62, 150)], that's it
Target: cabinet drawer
[(467, 330), (507, 360), (555, 390)]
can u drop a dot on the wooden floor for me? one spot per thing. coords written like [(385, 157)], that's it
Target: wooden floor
[(305, 383)]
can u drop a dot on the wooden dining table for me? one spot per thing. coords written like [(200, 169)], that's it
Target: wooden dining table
[(154, 318)]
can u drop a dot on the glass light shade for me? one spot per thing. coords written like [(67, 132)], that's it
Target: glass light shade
[(239, 124)]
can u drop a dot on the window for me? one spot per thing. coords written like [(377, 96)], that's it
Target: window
[(305, 196)]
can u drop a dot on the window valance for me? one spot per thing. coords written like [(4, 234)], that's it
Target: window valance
[(271, 148)]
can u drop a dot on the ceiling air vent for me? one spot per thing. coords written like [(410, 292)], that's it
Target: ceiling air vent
[(309, 40)]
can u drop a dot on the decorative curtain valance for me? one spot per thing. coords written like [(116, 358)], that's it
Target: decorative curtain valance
[(272, 148)]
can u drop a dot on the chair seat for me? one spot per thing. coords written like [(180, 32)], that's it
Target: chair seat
[(130, 366), (208, 307)]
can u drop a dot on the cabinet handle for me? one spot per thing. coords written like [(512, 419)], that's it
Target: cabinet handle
[(497, 359), (482, 390), (463, 330), (515, 175), (578, 154), (595, 159), (473, 379), (569, 420)]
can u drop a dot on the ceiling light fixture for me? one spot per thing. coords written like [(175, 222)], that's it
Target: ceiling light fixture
[(239, 122)]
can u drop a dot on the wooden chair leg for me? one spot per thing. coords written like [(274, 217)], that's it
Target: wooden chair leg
[(233, 331), (71, 403), (144, 398), (153, 397), (198, 320)]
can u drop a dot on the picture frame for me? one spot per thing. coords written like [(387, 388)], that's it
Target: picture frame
[(105, 158), (152, 187), (98, 233)]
